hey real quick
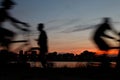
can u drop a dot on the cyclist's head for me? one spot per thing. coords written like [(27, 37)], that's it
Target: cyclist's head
[(7, 4), (106, 20)]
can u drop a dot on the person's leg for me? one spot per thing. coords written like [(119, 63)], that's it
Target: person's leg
[(43, 59), (44, 64), (101, 44), (105, 63)]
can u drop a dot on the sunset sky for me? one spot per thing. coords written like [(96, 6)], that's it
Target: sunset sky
[(64, 20)]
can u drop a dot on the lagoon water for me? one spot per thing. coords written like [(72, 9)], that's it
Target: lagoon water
[(70, 64)]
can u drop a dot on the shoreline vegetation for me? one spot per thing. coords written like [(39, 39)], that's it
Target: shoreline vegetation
[(15, 67), (85, 56)]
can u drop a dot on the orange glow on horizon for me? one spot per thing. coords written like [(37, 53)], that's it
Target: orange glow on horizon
[(78, 51)]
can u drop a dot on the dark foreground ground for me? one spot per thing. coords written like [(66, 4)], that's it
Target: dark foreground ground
[(21, 72)]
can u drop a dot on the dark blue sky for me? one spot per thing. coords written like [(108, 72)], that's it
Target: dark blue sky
[(61, 16)]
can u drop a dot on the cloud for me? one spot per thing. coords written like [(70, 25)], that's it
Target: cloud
[(60, 23), (82, 27), (78, 28), (91, 24)]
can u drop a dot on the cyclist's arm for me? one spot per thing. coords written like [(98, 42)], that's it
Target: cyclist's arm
[(14, 20)]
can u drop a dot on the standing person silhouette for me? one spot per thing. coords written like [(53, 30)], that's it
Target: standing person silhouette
[(42, 42), (100, 34), (6, 36)]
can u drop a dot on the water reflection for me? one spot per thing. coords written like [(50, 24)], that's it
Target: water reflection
[(72, 64)]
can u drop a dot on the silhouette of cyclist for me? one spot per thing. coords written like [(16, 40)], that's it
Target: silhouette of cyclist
[(98, 38), (100, 34), (6, 35)]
